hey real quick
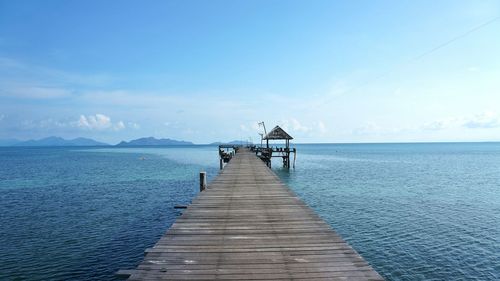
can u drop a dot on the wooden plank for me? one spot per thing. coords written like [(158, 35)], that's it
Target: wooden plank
[(248, 225)]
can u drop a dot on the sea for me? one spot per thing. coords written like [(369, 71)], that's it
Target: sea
[(414, 211)]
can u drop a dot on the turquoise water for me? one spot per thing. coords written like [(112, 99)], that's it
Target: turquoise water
[(414, 211), (82, 214)]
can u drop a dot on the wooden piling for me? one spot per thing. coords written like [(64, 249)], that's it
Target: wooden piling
[(203, 181)]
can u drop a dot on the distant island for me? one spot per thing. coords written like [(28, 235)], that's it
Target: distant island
[(53, 141), (8, 142), (153, 141), (236, 142), (147, 141)]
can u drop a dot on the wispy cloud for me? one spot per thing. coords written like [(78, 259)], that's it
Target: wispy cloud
[(303, 128), (293, 124), (36, 74), (297, 126), (23, 80), (321, 127), (119, 125), (134, 125), (441, 124), (243, 127), (33, 92), (252, 126), (45, 124), (368, 129), (485, 120)]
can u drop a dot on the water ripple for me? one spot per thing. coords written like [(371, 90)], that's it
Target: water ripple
[(415, 211)]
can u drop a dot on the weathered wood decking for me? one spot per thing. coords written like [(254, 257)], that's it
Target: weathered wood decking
[(249, 226)]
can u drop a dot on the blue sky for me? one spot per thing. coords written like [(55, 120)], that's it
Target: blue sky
[(327, 71)]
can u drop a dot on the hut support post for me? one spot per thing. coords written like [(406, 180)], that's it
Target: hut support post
[(286, 156)]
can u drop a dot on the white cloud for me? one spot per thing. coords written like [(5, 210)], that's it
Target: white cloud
[(255, 126), (368, 129), (293, 124), (297, 126), (321, 127), (119, 126), (442, 124), (435, 125), (484, 120), (98, 122), (303, 129), (174, 124), (45, 124), (52, 123), (251, 127), (134, 125), (2, 117), (487, 119)]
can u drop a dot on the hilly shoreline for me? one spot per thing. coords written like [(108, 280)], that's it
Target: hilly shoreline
[(54, 141)]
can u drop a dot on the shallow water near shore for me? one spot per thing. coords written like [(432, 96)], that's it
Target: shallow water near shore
[(413, 211)]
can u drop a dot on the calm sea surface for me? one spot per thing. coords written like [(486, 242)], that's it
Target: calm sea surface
[(414, 211)]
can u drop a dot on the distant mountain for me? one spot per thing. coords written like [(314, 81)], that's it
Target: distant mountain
[(153, 141), (236, 142), (86, 142), (8, 142), (57, 141)]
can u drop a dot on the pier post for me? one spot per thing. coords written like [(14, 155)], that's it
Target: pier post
[(203, 181), (221, 163)]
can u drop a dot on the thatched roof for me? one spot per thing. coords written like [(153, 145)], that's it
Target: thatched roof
[(277, 134)]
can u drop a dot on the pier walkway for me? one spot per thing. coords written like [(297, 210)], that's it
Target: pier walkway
[(248, 225)]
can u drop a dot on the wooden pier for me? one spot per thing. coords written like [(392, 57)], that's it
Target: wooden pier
[(247, 225)]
